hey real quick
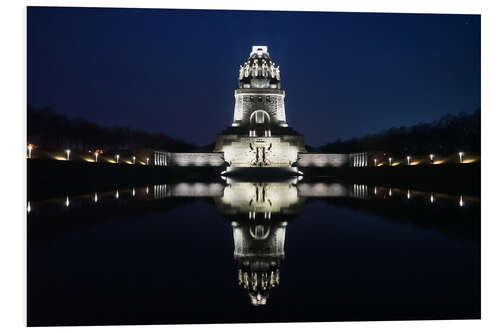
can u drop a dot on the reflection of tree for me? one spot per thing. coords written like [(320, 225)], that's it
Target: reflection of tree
[(447, 135)]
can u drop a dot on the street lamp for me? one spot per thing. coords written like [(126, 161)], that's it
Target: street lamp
[(408, 159), (431, 156), (375, 161), (461, 156), (133, 159), (117, 158), (67, 154), (147, 160), (30, 148), (390, 161), (96, 154)]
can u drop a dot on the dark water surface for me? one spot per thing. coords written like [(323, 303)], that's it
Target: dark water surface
[(252, 252)]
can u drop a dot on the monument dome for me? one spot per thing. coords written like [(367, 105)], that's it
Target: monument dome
[(259, 71)]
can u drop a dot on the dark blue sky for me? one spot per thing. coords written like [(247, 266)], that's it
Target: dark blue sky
[(175, 71)]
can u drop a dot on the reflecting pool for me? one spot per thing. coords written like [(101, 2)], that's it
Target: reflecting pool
[(252, 252)]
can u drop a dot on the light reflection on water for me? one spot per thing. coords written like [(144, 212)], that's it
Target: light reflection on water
[(292, 192), (259, 215)]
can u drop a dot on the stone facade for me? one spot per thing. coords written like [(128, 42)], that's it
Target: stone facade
[(246, 151), (259, 135), (249, 100)]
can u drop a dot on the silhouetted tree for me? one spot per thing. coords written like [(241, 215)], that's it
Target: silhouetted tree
[(51, 130), (447, 135)]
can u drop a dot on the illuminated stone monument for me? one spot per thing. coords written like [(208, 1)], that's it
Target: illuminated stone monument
[(259, 135), (259, 141)]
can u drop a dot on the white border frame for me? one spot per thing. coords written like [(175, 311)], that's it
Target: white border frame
[(13, 219)]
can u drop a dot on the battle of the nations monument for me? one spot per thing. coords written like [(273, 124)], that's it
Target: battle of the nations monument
[(259, 136)]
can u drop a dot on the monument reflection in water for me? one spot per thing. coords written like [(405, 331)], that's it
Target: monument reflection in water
[(379, 236), (259, 214)]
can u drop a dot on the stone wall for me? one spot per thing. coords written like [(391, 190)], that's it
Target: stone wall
[(322, 160), (239, 151), (162, 158), (196, 159)]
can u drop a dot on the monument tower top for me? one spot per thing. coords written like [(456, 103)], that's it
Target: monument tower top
[(259, 51)]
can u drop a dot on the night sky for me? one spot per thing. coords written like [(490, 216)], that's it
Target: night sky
[(175, 71)]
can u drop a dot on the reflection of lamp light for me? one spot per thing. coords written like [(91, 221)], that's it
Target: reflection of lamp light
[(432, 198), (133, 192), (408, 159), (461, 156), (390, 161), (147, 189), (390, 192), (67, 202), (133, 159), (117, 195), (67, 154), (29, 207), (30, 148), (117, 158), (431, 156), (96, 154), (461, 202), (95, 197), (375, 161), (147, 160)]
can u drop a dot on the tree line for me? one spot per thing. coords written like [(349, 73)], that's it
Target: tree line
[(51, 130), (451, 133)]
